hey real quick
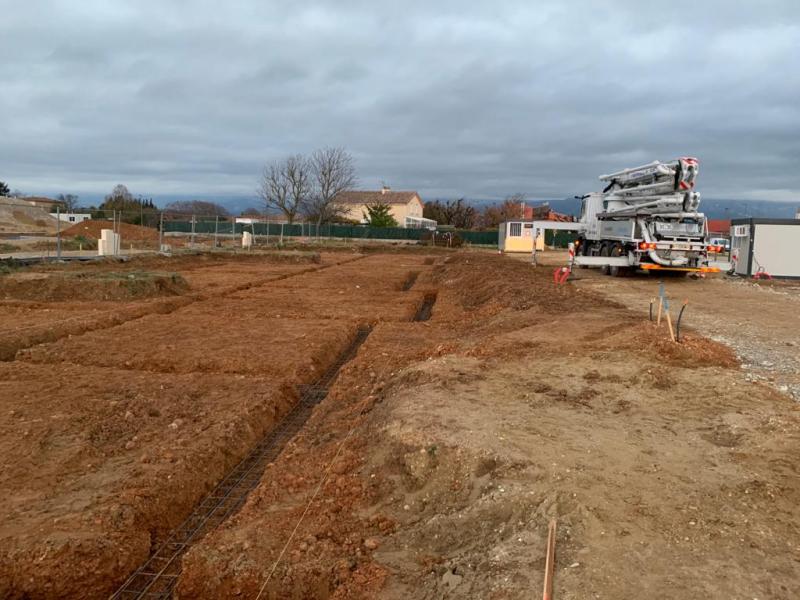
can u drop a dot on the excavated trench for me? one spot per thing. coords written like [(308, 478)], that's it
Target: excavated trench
[(410, 281), (158, 576), (425, 309)]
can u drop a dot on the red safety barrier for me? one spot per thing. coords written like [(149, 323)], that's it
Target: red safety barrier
[(762, 274), (560, 275)]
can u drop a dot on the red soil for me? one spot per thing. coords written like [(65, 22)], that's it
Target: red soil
[(91, 230), (117, 421)]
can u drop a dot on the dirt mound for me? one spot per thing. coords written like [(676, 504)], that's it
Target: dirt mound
[(19, 217), (91, 230), (654, 345), (190, 261), (481, 284), (117, 454), (692, 352), (54, 287)]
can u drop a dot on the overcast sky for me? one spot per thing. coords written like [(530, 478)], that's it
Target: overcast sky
[(451, 100)]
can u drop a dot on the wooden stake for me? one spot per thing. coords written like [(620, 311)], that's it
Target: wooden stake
[(669, 322), (660, 304), (550, 564)]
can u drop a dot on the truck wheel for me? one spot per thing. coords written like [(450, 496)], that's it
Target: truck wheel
[(616, 251), (583, 250), (605, 251)]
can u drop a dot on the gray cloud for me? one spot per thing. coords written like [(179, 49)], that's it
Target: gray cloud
[(451, 100)]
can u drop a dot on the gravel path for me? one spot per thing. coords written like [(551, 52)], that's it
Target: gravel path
[(760, 321)]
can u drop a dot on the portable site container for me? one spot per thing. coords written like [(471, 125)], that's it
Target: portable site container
[(771, 246), (517, 236)]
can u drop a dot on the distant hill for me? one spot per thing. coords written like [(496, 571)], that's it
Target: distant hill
[(713, 208), (737, 209)]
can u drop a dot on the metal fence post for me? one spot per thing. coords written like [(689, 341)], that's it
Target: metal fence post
[(281, 242), (58, 233), (216, 230), (114, 229), (193, 230), (161, 232)]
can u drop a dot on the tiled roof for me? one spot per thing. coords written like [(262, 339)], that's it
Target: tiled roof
[(372, 197), (719, 225)]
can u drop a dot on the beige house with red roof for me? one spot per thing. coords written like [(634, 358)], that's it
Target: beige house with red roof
[(406, 207)]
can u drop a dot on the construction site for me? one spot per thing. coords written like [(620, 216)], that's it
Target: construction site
[(333, 300), (393, 422)]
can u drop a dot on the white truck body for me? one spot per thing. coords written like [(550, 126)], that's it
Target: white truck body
[(646, 218)]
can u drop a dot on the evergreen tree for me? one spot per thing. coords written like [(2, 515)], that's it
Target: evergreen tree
[(379, 215)]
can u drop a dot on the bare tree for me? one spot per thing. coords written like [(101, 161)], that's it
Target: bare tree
[(457, 213), (201, 208), (299, 175), (513, 207), (276, 189), (120, 193), (70, 202), (273, 189), (334, 172)]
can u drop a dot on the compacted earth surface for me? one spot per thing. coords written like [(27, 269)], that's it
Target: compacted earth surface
[(484, 402), (759, 320)]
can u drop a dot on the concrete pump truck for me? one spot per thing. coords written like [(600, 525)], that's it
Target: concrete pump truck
[(646, 218)]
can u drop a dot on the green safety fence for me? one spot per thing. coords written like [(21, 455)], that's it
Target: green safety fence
[(559, 238), (205, 227), (481, 238)]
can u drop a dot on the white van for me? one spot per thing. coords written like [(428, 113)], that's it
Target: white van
[(718, 241)]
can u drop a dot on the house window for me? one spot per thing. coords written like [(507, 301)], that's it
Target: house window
[(515, 229), (72, 219), (740, 231)]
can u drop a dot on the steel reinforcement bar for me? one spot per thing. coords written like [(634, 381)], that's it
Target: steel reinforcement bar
[(157, 577)]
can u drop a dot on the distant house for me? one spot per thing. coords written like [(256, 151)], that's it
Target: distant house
[(74, 217), (543, 213), (719, 227), (406, 207)]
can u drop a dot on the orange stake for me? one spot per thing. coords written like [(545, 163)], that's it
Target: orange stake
[(660, 306), (550, 564), (669, 323)]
